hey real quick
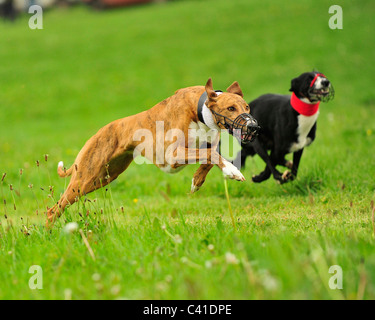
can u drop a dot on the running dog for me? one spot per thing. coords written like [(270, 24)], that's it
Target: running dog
[(200, 109), (288, 125)]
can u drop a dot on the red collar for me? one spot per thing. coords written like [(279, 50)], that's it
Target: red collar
[(304, 108)]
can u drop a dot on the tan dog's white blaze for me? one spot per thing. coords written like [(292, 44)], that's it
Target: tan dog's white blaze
[(110, 151)]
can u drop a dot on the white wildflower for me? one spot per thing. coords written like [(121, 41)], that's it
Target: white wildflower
[(71, 227), (230, 258)]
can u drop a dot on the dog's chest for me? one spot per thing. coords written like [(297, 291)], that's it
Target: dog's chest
[(305, 124), (198, 135)]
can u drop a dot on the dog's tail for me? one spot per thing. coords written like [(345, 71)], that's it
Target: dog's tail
[(62, 172)]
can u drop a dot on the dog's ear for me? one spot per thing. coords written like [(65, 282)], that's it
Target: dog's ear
[(211, 94), (235, 88), (295, 84)]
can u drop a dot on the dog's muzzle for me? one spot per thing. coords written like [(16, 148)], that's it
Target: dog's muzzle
[(244, 127), (325, 93)]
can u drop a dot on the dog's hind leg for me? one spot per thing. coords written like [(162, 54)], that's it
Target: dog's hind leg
[(264, 175), (86, 179), (70, 195), (278, 158), (270, 165), (291, 165), (275, 158)]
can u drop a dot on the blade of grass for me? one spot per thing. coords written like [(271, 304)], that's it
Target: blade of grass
[(228, 201)]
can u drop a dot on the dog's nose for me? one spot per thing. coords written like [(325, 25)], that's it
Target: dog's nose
[(251, 122), (325, 83), (252, 126)]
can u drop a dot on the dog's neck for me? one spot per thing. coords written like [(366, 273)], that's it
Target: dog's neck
[(303, 107), (208, 118), (204, 113)]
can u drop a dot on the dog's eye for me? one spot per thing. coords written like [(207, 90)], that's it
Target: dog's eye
[(231, 108), (247, 107)]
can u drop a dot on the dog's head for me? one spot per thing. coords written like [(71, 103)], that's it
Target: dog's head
[(231, 112), (313, 86)]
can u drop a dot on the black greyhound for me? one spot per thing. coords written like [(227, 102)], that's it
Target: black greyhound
[(288, 124)]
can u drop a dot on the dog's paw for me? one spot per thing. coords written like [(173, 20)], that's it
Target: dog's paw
[(257, 179), (285, 177), (264, 175), (231, 172), (193, 188)]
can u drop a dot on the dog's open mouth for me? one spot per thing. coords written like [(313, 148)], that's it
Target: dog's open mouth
[(245, 134), (244, 127), (321, 92)]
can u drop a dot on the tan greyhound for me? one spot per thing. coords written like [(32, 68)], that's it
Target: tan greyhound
[(200, 109)]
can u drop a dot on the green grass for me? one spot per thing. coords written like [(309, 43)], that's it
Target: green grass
[(150, 238)]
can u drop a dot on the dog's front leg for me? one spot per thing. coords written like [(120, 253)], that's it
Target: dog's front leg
[(200, 176), (296, 160), (293, 166), (261, 150), (209, 156)]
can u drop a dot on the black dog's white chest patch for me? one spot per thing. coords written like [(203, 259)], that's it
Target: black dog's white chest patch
[(305, 124)]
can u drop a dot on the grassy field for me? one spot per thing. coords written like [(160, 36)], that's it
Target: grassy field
[(147, 237)]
